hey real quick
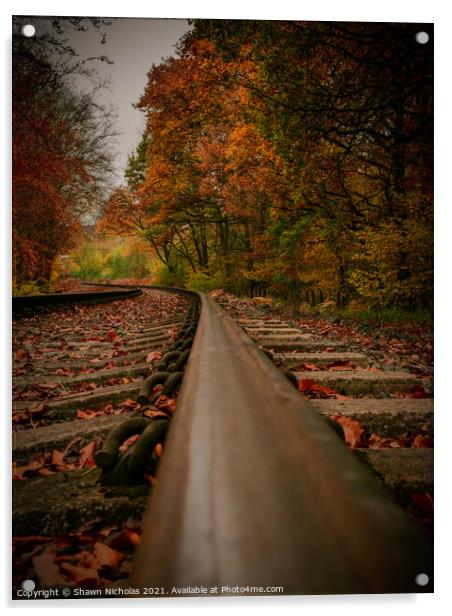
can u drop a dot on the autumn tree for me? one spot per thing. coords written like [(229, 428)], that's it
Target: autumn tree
[(290, 155), (61, 148)]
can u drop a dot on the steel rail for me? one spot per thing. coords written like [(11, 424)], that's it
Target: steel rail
[(256, 490), (19, 302)]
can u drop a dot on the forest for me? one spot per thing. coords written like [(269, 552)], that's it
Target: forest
[(287, 159)]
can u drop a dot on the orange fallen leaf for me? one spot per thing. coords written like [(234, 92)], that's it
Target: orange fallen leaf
[(21, 353), (125, 539), (129, 442), (153, 355), (379, 442), (166, 404), (57, 458), (106, 556), (353, 432), (158, 449), (87, 453), (305, 385), (310, 367), (421, 441)]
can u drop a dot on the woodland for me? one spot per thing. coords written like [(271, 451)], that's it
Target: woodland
[(288, 159)]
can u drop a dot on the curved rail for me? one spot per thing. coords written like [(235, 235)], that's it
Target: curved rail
[(256, 490), (19, 302)]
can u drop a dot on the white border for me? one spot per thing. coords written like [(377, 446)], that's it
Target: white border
[(345, 10)]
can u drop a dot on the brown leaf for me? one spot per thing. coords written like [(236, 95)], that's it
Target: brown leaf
[(36, 407), (153, 355), (58, 458), (106, 556), (21, 353), (80, 575), (34, 465), (158, 449), (129, 442), (87, 453), (166, 404), (49, 385), (47, 570), (342, 366), (125, 540), (418, 391), (421, 441), (353, 432), (305, 385), (378, 442), (310, 367)]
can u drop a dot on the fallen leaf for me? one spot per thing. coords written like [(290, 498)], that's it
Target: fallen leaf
[(80, 575), (305, 385), (353, 431), (129, 442), (421, 441), (153, 355), (57, 458), (310, 367), (418, 391), (34, 465), (49, 385), (106, 556), (47, 570), (36, 407), (158, 449), (87, 454), (378, 442), (164, 403), (125, 540)]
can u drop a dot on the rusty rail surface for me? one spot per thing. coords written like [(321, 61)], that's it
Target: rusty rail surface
[(256, 490)]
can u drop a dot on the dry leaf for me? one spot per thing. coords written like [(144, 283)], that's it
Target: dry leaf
[(106, 556)]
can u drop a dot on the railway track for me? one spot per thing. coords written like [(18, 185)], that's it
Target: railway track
[(255, 489)]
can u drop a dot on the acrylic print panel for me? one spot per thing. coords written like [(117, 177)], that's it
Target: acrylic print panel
[(222, 276)]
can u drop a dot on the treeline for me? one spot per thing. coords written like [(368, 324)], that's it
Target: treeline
[(293, 158), (61, 143)]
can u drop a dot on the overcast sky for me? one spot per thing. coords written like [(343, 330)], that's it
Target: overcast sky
[(133, 45)]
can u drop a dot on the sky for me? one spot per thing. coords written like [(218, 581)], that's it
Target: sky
[(133, 45)]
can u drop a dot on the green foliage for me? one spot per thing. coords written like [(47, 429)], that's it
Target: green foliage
[(205, 283), (137, 164), (88, 262), (31, 287), (394, 265), (175, 278)]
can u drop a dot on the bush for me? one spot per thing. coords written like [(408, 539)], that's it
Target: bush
[(199, 281), (165, 278)]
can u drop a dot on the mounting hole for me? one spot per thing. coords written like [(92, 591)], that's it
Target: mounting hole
[(422, 38), (422, 579), (28, 30), (28, 585)]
